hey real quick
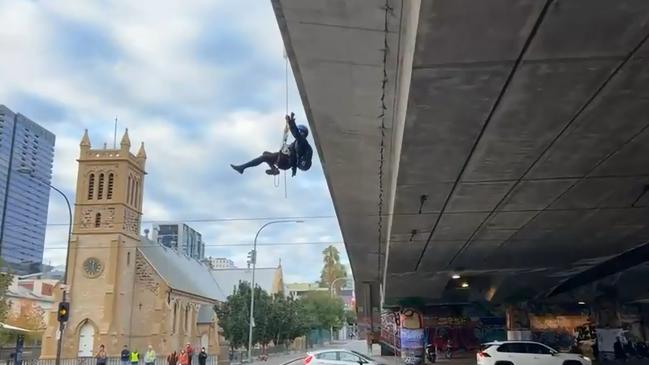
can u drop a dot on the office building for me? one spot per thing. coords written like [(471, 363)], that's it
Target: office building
[(26, 156), (221, 263), (180, 237)]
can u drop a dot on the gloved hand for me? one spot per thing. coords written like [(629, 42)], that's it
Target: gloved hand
[(290, 118)]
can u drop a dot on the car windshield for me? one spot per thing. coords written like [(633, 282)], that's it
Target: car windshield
[(364, 357)]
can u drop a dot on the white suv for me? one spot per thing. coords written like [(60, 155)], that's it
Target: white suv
[(526, 353)]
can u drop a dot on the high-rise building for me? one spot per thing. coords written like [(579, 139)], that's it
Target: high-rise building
[(26, 156), (180, 237)]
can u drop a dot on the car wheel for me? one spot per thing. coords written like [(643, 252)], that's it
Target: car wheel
[(504, 363), (572, 362)]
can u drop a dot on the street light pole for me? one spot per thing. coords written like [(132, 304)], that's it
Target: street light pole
[(30, 173), (331, 286), (253, 260)]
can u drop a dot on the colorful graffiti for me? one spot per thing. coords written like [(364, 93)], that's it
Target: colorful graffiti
[(411, 328)]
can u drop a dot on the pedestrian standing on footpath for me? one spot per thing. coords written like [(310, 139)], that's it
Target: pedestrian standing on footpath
[(190, 352), (125, 356), (202, 357), (172, 359), (135, 357), (149, 356), (183, 358), (101, 356)]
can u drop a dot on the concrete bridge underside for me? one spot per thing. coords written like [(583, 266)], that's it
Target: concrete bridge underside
[(516, 142)]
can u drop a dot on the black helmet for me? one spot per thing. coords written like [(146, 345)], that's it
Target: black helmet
[(303, 130)]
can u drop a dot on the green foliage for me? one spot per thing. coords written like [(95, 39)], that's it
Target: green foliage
[(332, 269), (5, 280), (277, 319), (29, 318), (322, 311), (234, 316), (351, 317)]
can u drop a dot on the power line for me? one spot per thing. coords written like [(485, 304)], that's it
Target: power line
[(192, 220), (315, 243)]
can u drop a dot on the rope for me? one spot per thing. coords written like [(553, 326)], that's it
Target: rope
[(286, 112)]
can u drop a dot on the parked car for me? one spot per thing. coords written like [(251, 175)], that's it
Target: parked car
[(526, 353), (338, 357)]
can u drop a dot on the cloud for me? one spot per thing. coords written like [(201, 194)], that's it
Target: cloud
[(202, 83)]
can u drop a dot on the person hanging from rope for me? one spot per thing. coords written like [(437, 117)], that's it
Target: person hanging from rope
[(296, 155)]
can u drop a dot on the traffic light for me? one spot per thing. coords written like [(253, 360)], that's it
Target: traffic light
[(252, 257), (64, 311)]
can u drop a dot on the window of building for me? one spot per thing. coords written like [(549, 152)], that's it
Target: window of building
[(91, 186), (97, 220), (100, 188), (173, 322), (128, 189), (137, 193), (109, 193), (128, 258), (187, 328)]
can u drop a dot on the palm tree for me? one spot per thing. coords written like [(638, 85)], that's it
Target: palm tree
[(332, 269)]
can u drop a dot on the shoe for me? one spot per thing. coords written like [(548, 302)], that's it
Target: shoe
[(273, 172), (238, 169)]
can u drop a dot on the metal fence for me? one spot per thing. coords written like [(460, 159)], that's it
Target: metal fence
[(160, 360)]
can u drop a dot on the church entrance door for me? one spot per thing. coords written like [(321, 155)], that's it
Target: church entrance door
[(86, 340)]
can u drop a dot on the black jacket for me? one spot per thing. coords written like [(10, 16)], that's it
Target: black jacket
[(301, 151), (202, 358), (126, 355)]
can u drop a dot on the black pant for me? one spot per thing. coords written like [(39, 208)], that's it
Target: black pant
[(273, 159)]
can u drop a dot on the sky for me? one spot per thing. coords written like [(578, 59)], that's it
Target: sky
[(202, 84)]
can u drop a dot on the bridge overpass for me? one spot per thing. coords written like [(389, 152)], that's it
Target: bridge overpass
[(504, 141)]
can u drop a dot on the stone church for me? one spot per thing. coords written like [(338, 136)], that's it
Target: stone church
[(123, 288)]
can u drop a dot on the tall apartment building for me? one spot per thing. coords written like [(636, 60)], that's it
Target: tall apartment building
[(180, 237), (24, 197)]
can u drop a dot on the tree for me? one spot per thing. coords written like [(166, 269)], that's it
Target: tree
[(286, 319), (277, 319), (29, 318), (351, 317), (332, 269), (234, 316), (5, 280), (321, 311)]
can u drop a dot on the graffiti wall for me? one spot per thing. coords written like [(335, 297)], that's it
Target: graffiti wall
[(557, 331)]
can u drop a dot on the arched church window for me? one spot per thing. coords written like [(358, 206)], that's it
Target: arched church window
[(100, 187), (111, 180), (137, 193), (97, 220), (187, 319), (91, 186), (173, 322), (128, 189)]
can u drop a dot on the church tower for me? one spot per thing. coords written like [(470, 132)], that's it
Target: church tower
[(106, 232)]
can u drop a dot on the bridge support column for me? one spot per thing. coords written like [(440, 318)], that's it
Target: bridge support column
[(518, 323), (369, 312), (605, 314)]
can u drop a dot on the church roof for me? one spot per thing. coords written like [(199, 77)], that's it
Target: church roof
[(229, 278), (181, 272)]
